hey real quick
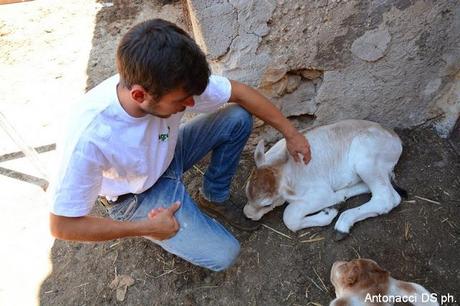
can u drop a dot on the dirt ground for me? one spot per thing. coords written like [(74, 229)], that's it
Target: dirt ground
[(418, 241)]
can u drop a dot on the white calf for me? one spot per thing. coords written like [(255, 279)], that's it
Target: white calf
[(350, 157)]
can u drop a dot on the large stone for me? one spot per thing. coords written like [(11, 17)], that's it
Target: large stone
[(273, 75), (372, 45), (214, 40), (311, 74), (242, 62), (276, 89), (300, 102), (293, 82), (254, 15)]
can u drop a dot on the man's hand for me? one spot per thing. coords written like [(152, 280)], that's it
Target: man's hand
[(258, 105), (161, 223), (298, 144)]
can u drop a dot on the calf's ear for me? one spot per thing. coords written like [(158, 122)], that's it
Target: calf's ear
[(259, 154)]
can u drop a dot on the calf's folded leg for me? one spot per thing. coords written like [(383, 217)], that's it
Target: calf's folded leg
[(295, 218), (384, 197)]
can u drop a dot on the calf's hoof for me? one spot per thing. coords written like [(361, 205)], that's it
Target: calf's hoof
[(340, 235)]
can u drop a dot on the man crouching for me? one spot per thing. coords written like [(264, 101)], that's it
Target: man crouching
[(125, 146)]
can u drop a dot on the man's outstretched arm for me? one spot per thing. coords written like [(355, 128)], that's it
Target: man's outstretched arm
[(258, 105), (160, 224)]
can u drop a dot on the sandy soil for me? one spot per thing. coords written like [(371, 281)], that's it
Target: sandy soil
[(52, 51)]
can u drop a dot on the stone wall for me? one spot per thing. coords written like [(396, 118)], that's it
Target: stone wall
[(395, 62)]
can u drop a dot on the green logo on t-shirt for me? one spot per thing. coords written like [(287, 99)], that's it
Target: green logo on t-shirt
[(164, 137)]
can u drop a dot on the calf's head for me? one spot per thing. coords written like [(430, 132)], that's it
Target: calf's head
[(262, 188), (359, 275)]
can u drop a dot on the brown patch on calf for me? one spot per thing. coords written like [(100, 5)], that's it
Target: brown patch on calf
[(263, 181), (363, 275)]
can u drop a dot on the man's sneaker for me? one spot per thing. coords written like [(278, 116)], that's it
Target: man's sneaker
[(228, 211)]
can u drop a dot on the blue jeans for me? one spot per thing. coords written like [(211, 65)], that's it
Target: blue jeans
[(200, 240)]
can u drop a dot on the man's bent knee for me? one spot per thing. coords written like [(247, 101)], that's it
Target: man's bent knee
[(225, 258), (238, 115)]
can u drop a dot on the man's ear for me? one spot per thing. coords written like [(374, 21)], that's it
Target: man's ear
[(259, 154), (138, 93)]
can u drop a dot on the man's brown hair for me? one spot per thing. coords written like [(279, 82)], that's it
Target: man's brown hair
[(160, 56)]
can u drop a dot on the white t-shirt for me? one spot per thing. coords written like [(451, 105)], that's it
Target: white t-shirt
[(107, 152)]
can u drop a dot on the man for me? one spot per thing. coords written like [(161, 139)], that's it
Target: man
[(125, 144)]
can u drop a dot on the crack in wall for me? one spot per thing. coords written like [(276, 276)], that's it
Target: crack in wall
[(222, 56)]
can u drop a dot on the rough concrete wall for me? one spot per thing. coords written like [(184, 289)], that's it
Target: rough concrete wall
[(391, 61)]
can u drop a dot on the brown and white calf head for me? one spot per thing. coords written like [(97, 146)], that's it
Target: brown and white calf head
[(262, 188), (360, 281), (359, 275)]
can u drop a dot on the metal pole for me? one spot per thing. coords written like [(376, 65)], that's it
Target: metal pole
[(28, 151)]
